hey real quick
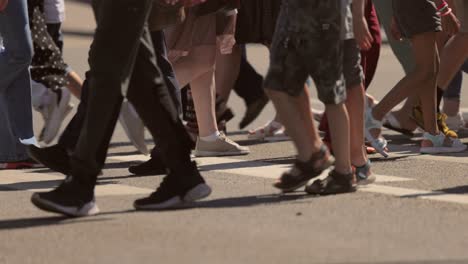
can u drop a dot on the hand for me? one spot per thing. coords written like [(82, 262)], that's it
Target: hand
[(450, 24), (225, 43), (362, 34), (3, 5), (395, 29)]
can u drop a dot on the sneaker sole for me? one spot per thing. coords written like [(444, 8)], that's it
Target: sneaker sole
[(87, 210), (199, 192), (174, 202), (199, 153), (438, 150)]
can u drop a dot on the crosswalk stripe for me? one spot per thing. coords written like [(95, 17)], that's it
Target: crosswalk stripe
[(40, 182)]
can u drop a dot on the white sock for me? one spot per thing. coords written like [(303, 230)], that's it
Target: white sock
[(212, 137)]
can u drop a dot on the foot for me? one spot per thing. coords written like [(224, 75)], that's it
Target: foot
[(54, 157), (434, 144), (253, 111), (269, 131), (21, 164), (335, 183), (54, 114), (154, 166), (417, 116), (222, 146), (456, 122), (364, 174), (302, 172), (170, 194), (133, 127), (373, 131), (70, 199)]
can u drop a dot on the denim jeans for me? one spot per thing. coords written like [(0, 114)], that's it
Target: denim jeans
[(15, 82)]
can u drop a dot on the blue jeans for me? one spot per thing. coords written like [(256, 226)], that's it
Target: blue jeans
[(15, 82)]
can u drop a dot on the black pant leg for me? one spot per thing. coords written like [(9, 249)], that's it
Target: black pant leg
[(249, 84), (120, 25), (154, 104)]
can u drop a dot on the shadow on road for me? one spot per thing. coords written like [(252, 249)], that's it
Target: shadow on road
[(45, 221), (246, 201)]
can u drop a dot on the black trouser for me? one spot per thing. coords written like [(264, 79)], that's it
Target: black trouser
[(122, 53), (72, 132), (249, 84)]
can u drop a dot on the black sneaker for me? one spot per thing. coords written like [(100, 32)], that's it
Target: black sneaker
[(69, 199), (154, 166), (335, 183), (54, 157), (170, 194), (302, 172)]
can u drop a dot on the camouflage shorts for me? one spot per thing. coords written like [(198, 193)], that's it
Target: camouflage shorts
[(307, 42)]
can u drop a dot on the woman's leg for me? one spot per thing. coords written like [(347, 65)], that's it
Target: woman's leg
[(204, 95)]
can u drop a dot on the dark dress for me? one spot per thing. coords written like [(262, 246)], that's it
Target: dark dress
[(47, 67), (256, 21)]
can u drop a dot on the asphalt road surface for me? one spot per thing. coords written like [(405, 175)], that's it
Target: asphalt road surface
[(416, 212)]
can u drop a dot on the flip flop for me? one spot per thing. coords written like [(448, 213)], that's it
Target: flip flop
[(392, 123)]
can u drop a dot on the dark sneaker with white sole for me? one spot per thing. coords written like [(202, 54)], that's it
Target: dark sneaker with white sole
[(54, 157), (69, 199), (170, 194), (302, 172), (154, 166)]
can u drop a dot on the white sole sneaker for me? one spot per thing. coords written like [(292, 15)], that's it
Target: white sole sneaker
[(199, 192), (88, 209), (439, 150)]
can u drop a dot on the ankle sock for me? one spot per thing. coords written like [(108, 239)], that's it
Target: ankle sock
[(440, 94), (212, 137)]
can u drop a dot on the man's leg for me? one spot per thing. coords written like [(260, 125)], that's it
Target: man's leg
[(110, 75)]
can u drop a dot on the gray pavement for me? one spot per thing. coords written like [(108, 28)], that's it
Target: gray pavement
[(417, 211)]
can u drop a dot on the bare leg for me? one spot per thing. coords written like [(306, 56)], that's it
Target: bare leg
[(204, 95), (355, 107), (452, 58), (338, 121), (74, 84), (417, 81), (428, 98), (227, 71), (201, 60), (300, 128)]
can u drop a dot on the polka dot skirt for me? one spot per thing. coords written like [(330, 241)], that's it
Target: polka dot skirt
[(47, 65)]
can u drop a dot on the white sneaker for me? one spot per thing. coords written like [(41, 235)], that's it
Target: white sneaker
[(222, 146), (133, 127), (269, 131), (441, 144), (456, 122), (54, 113)]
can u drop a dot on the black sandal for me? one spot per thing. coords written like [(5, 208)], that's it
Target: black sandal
[(302, 172), (335, 183)]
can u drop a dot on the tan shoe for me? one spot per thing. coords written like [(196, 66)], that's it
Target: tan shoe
[(222, 146)]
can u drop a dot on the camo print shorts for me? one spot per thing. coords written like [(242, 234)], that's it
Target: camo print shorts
[(307, 42)]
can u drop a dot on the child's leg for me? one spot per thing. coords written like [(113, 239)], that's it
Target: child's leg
[(355, 107), (428, 93), (300, 128), (416, 81), (339, 129)]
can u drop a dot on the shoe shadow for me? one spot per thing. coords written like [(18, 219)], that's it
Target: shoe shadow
[(248, 201), (19, 223)]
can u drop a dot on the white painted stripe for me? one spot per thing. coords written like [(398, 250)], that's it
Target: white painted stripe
[(40, 182), (413, 193), (249, 168)]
